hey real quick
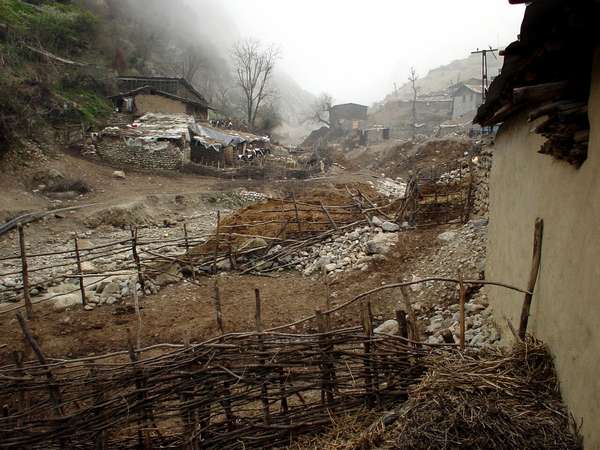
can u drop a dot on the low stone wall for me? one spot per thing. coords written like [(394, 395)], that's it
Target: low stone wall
[(481, 190), (248, 172), (162, 155)]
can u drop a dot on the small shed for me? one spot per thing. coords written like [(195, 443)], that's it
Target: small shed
[(349, 116), (160, 95)]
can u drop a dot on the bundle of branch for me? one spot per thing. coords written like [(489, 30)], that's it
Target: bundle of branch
[(491, 400)]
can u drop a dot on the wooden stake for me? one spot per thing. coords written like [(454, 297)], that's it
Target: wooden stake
[(258, 314), (538, 235), (327, 369), (25, 272), (415, 335), (80, 272), (136, 257), (264, 394), (136, 304), (217, 236), (461, 306), (53, 390), (402, 325), (23, 400), (219, 315), (187, 251), (297, 214), (333, 224)]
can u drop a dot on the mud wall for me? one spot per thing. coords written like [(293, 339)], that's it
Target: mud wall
[(157, 104), (566, 310)]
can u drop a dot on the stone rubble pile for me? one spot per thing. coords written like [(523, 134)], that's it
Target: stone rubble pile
[(351, 251), (481, 189), (389, 188), (479, 325)]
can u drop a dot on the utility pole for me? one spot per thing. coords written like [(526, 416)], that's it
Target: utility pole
[(484, 70)]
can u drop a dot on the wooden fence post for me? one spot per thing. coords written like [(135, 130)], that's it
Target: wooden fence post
[(53, 389), (368, 331), (219, 315), (142, 432), (402, 325), (25, 272), (297, 214), (23, 398), (461, 309), (136, 257), (187, 251), (217, 237), (100, 438), (80, 272), (538, 235), (327, 368), (415, 335), (264, 394)]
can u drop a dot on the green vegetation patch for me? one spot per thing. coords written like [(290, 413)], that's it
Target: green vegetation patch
[(63, 27), (90, 105)]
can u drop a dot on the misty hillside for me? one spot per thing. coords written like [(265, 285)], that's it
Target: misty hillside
[(441, 77), (58, 61)]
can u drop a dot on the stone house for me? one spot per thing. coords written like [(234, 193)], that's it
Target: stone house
[(547, 166), (349, 116), (162, 95), (466, 98), (153, 142)]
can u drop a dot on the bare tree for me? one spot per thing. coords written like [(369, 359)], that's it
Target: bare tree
[(321, 110), (191, 62), (412, 78), (254, 67)]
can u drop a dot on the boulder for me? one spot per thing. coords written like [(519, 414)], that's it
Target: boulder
[(387, 327), (89, 267), (119, 174), (390, 227), (253, 244), (171, 275), (111, 289), (377, 221), (66, 301)]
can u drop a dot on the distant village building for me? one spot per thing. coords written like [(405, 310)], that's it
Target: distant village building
[(466, 98), (161, 95), (546, 166), (349, 116), (432, 109)]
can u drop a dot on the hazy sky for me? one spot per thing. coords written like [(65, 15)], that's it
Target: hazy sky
[(356, 49)]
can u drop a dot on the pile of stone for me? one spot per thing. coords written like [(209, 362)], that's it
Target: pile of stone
[(479, 325), (354, 250), (481, 192), (389, 188)]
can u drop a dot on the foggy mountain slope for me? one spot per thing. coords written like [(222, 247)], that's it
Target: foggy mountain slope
[(441, 77), (159, 41)]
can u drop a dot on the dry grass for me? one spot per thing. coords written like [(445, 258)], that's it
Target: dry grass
[(497, 399), (492, 400)]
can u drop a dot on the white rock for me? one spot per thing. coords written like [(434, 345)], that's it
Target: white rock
[(66, 301), (119, 174), (390, 227), (387, 327), (377, 221), (448, 236)]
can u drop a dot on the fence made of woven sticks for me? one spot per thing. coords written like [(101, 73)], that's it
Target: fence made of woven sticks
[(441, 195), (286, 226), (245, 390)]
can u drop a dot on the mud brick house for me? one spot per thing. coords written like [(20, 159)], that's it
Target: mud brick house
[(349, 116), (466, 98), (141, 95), (547, 166)]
